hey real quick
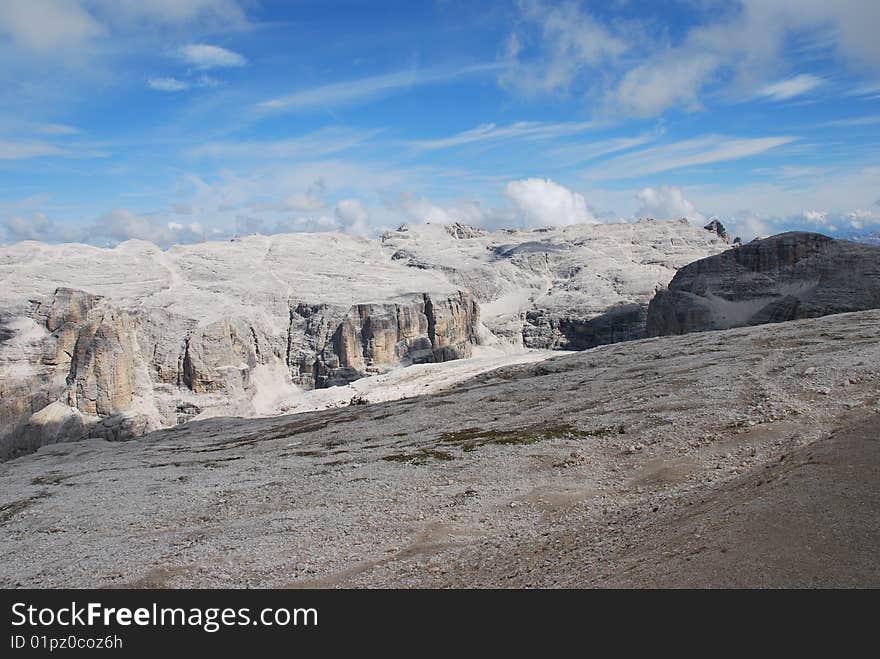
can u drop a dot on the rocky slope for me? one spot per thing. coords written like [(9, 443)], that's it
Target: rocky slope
[(117, 342), (785, 277), (743, 457)]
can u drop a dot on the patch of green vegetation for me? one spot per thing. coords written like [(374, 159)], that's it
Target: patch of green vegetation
[(469, 439), (420, 457)]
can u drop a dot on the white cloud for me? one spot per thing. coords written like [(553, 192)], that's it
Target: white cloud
[(853, 122), (354, 91), (353, 217), (572, 154), (56, 129), (44, 26), (420, 210), (528, 130), (686, 153), (121, 224), (316, 144), (541, 202), (664, 82), (226, 13), (36, 227), (303, 202), (29, 149), (749, 226), (634, 68), (790, 87), (816, 217), (167, 84), (667, 203), (205, 56), (568, 41)]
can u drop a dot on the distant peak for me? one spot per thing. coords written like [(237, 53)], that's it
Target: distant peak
[(716, 227), (460, 231)]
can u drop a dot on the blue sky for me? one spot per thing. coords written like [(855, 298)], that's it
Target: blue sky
[(181, 120)]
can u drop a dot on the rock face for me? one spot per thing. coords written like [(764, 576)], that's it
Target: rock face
[(85, 372), (113, 342), (336, 349), (567, 288), (716, 227), (785, 277)]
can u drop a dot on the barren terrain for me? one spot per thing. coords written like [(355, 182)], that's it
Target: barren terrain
[(744, 457)]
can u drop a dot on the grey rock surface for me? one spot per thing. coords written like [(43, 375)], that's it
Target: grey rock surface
[(785, 277), (743, 457), (115, 342)]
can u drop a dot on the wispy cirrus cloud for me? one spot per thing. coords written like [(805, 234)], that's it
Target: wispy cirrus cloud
[(868, 120), (526, 130), (354, 91), (320, 143), (790, 87), (27, 149), (572, 154), (686, 153)]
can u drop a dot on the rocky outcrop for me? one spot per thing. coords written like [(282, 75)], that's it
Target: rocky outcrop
[(785, 277), (70, 372), (622, 322), (334, 348), (463, 231), (718, 229), (81, 367)]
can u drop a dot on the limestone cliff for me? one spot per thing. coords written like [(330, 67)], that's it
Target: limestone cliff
[(80, 367)]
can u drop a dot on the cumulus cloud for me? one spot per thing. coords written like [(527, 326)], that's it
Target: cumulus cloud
[(673, 80), (816, 217), (541, 202), (567, 41), (121, 224), (639, 70), (353, 217), (205, 56), (42, 26), (420, 210), (667, 203), (36, 227)]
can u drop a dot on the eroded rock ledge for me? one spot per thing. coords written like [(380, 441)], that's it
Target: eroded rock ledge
[(81, 367)]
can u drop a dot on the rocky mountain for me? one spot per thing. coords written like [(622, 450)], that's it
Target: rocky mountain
[(785, 277), (569, 288), (117, 342)]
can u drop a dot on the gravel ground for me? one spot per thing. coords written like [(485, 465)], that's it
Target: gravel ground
[(633, 464)]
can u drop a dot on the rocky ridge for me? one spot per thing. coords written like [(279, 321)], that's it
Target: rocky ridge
[(114, 343)]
